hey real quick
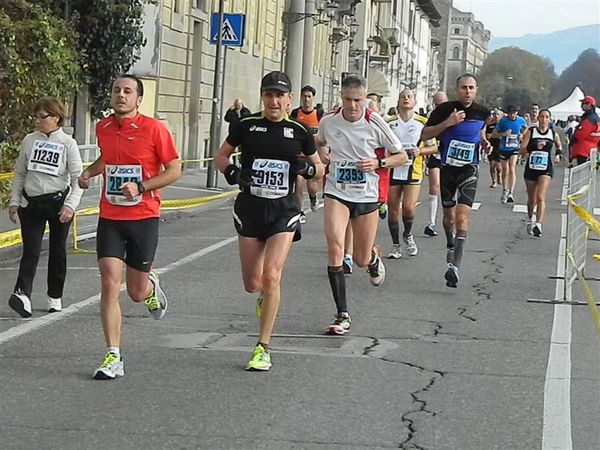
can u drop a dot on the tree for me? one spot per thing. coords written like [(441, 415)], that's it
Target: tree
[(37, 58), (511, 76), (110, 39), (584, 72)]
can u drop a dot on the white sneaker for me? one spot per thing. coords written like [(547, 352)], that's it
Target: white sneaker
[(20, 303), (411, 245), (110, 368), (530, 227), (504, 196), (395, 252), (157, 300), (54, 305), (377, 269)]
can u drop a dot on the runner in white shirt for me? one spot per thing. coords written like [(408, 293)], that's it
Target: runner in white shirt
[(405, 181), (353, 133)]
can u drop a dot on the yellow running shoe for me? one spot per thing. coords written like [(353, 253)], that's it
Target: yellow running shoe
[(261, 359), (259, 302)]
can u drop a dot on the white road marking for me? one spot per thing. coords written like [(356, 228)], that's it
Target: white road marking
[(39, 322), (597, 211), (520, 209), (476, 206), (556, 431)]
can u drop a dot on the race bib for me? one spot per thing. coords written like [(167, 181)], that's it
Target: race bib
[(117, 176), (460, 153), (538, 160), (45, 157), (270, 178), (348, 177), (512, 141), (401, 173)]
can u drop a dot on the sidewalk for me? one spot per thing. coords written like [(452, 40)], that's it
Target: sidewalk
[(191, 185)]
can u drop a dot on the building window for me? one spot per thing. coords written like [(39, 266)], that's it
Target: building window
[(457, 31), (456, 53), (201, 5), (177, 6)]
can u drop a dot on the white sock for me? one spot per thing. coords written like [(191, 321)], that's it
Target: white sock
[(114, 350), (539, 225), (433, 204), (348, 256)]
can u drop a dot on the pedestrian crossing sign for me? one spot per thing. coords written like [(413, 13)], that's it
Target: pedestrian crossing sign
[(232, 29)]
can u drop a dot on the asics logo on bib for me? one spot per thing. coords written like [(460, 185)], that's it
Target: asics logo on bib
[(123, 170), (273, 165), (255, 128)]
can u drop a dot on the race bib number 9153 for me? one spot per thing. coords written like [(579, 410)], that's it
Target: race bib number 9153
[(270, 178)]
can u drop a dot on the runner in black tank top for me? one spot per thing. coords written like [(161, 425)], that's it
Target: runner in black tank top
[(537, 149)]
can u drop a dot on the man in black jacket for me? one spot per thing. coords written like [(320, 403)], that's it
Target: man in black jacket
[(236, 112)]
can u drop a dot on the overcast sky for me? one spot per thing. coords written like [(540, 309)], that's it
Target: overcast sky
[(513, 18)]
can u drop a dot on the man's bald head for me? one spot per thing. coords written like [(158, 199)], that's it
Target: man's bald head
[(439, 98)]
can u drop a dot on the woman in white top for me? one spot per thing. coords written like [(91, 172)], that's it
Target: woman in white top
[(44, 190)]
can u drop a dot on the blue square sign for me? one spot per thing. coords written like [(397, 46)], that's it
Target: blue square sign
[(232, 29)]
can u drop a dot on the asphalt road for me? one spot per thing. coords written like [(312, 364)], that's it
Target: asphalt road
[(425, 366)]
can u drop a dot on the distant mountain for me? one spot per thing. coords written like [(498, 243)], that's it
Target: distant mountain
[(561, 47)]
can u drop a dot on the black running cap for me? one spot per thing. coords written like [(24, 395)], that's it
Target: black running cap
[(511, 109), (276, 81)]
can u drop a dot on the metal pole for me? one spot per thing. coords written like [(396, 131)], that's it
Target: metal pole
[(211, 180)]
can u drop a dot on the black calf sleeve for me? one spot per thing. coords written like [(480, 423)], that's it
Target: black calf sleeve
[(338, 287)]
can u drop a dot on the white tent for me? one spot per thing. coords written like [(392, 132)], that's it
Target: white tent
[(569, 106)]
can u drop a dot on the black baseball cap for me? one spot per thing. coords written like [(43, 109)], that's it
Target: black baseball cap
[(277, 81), (511, 109)]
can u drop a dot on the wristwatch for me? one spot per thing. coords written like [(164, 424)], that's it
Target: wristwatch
[(141, 188), (382, 163)]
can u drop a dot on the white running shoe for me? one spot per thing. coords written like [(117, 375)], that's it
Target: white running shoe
[(110, 368), (537, 230), (20, 303), (157, 300), (395, 252), (530, 228), (377, 269), (54, 305), (504, 196), (411, 245)]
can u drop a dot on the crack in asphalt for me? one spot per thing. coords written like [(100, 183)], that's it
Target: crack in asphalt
[(483, 289), (421, 404)]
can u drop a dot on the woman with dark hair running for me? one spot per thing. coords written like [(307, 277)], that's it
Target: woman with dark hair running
[(537, 148)]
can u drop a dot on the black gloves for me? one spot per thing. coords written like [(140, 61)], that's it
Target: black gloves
[(305, 168), (234, 175)]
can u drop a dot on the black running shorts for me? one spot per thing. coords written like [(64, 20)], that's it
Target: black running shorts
[(356, 209), (260, 218), (533, 175), (433, 162), (505, 156), (460, 182), (133, 241)]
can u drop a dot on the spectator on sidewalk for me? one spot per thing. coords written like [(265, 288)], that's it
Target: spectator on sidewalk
[(236, 112), (587, 135), (44, 190)]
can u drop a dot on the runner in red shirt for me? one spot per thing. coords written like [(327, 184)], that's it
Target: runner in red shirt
[(133, 150)]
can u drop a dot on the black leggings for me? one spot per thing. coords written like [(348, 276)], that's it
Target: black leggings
[(33, 222)]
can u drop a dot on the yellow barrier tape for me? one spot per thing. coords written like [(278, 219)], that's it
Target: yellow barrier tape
[(6, 176), (10, 238), (587, 292), (13, 237)]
